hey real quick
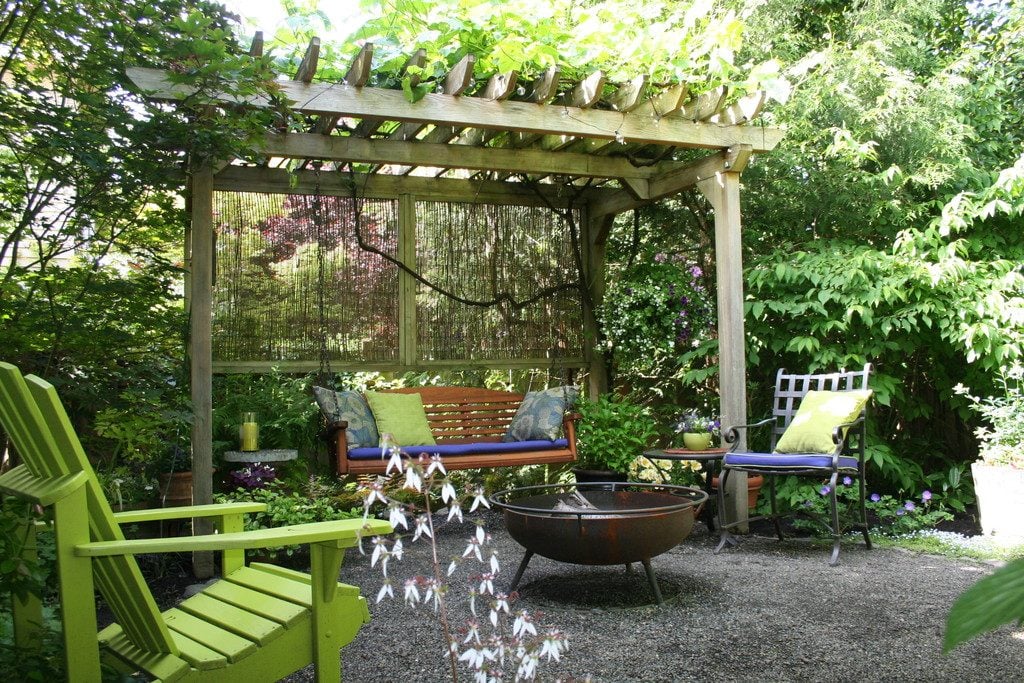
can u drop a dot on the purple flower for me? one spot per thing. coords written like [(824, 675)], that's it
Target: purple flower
[(926, 496), (900, 512), (696, 271), (909, 505), (660, 258), (824, 490), (875, 498), (847, 481), (254, 476)]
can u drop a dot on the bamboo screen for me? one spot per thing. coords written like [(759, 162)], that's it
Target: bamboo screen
[(480, 251), (269, 252), (266, 303)]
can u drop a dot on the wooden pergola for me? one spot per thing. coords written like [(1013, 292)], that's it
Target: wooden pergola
[(474, 139)]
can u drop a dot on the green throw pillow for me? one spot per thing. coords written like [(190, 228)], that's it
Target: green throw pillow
[(402, 416), (819, 414)]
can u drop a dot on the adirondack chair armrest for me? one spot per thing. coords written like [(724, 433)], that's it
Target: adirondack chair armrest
[(732, 434), (343, 531), (187, 512)]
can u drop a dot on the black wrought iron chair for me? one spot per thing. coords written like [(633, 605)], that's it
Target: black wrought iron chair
[(817, 430)]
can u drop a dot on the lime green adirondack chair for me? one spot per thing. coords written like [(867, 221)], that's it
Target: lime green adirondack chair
[(258, 623)]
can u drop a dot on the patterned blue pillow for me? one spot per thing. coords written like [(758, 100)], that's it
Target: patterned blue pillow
[(540, 414), (351, 407)]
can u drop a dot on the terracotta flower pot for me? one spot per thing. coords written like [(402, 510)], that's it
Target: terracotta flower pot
[(176, 488), (754, 484)]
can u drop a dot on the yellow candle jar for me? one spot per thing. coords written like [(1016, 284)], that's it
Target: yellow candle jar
[(249, 433)]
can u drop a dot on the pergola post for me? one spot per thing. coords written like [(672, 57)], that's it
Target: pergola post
[(201, 354), (594, 246), (723, 192)]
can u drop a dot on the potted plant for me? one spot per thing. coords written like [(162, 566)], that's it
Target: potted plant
[(697, 431), (611, 433), (999, 474)]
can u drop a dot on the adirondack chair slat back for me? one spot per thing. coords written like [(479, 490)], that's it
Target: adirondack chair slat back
[(790, 390), (39, 426)]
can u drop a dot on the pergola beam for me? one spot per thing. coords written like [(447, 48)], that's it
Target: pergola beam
[(331, 100), (672, 182), (416, 153), (279, 180)]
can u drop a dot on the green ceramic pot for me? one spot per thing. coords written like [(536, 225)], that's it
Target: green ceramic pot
[(697, 441)]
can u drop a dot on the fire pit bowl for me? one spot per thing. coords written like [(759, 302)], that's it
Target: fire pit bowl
[(599, 524)]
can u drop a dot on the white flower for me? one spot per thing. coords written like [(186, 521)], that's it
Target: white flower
[(397, 549), (473, 657), (385, 590), (433, 593), (494, 563), (376, 492), (455, 510), (472, 632), (397, 516), (523, 624), (422, 527), (553, 646), (413, 480), (501, 603), (479, 499), (435, 465), (527, 668), (379, 548), (473, 548), (412, 593), (395, 461), (486, 584), (448, 492)]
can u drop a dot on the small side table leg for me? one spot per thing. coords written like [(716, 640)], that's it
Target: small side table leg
[(710, 510)]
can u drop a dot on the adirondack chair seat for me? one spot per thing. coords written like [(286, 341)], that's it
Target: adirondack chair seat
[(257, 623), (783, 461), (456, 449), (233, 619)]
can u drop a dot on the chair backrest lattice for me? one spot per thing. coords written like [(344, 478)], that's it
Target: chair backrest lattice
[(37, 423), (790, 390)]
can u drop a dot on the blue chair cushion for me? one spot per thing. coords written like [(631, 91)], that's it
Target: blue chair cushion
[(783, 461), (351, 407), (465, 448)]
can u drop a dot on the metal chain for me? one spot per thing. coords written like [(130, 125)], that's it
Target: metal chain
[(325, 376)]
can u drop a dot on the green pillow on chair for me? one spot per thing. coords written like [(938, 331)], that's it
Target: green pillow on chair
[(402, 416), (819, 414)]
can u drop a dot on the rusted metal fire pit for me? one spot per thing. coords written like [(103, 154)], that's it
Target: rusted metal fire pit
[(599, 524)]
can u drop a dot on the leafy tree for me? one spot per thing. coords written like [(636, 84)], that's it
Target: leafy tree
[(91, 222)]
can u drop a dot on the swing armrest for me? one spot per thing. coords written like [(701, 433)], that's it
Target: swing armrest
[(333, 428)]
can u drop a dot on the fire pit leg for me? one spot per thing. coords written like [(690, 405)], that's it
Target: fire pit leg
[(522, 568), (653, 580)]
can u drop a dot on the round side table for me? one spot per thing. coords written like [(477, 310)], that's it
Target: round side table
[(709, 460)]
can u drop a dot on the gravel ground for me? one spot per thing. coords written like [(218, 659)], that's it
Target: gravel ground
[(763, 611)]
